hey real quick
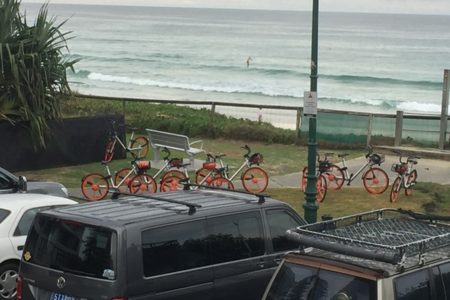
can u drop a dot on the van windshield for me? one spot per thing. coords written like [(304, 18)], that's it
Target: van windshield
[(307, 283), (71, 247)]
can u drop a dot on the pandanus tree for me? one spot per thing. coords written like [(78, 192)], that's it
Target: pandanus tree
[(33, 64)]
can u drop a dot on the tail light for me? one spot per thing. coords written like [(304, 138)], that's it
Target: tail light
[(120, 298), (19, 288)]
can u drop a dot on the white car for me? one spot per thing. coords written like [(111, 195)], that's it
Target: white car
[(17, 212)]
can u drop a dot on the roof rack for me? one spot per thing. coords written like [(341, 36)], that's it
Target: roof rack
[(385, 235), (192, 206), (261, 197)]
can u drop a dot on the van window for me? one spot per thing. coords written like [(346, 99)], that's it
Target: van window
[(3, 214), (279, 221), (413, 286), (301, 282), (235, 237), (174, 248), (72, 247)]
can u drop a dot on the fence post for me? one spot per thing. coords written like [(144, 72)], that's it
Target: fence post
[(298, 124), (369, 129), (444, 111), (398, 128), (123, 106), (212, 129)]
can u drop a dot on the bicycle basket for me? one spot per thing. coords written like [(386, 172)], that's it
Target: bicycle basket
[(209, 165), (399, 168), (143, 164), (377, 159), (256, 159), (175, 162), (324, 166)]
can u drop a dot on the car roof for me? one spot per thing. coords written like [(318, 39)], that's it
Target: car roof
[(135, 209), (12, 201)]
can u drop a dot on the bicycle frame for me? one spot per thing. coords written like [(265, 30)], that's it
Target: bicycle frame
[(109, 177), (350, 177), (246, 163)]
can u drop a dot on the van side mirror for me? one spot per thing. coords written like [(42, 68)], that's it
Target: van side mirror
[(22, 184)]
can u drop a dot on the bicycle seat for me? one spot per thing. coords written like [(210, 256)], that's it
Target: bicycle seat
[(412, 160), (343, 155)]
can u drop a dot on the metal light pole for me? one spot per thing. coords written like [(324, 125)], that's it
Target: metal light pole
[(310, 205)]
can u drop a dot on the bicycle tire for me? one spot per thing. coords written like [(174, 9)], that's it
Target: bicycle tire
[(94, 187), (176, 173), (142, 184), (171, 183), (410, 182), (375, 180), (395, 190), (304, 179), (109, 150), (335, 178), (142, 142), (222, 182), (201, 173), (119, 176), (321, 188), (255, 180)]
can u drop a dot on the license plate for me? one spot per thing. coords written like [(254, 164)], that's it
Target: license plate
[(56, 296)]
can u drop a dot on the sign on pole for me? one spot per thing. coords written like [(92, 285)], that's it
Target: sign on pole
[(310, 104)]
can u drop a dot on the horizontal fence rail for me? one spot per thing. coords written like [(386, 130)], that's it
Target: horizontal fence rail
[(333, 125)]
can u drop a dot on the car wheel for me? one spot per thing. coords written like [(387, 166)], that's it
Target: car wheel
[(8, 276)]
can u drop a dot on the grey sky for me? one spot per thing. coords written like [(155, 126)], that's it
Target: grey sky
[(381, 6)]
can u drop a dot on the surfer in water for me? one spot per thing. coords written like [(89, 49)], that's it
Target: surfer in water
[(249, 59)]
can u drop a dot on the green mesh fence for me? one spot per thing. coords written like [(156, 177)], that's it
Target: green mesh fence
[(345, 128)]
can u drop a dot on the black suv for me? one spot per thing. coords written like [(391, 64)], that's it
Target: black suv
[(194, 244), (379, 255)]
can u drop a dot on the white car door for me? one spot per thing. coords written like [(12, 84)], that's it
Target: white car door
[(19, 230)]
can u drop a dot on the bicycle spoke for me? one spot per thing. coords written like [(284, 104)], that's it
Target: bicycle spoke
[(94, 187), (375, 180), (255, 180), (142, 184)]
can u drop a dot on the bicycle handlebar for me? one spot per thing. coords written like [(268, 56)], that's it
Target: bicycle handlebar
[(246, 147)]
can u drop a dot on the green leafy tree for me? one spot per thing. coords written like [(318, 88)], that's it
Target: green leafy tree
[(33, 67)]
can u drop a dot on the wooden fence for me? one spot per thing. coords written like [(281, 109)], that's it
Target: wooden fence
[(399, 130)]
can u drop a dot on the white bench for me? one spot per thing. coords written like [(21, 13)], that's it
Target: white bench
[(160, 139)]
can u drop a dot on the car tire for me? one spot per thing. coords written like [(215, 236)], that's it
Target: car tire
[(8, 275)]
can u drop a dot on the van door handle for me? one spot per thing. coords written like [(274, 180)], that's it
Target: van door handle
[(261, 264), (20, 248)]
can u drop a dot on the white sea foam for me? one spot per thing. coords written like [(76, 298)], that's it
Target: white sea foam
[(419, 107)]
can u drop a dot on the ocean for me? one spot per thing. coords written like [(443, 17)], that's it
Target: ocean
[(367, 62)]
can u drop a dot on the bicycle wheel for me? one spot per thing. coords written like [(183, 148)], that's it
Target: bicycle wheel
[(304, 179), (94, 186), (321, 187), (395, 191), (140, 142), (109, 150), (335, 178), (255, 180), (175, 173), (205, 176), (222, 182), (120, 176), (142, 184), (375, 180), (171, 183), (410, 182)]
